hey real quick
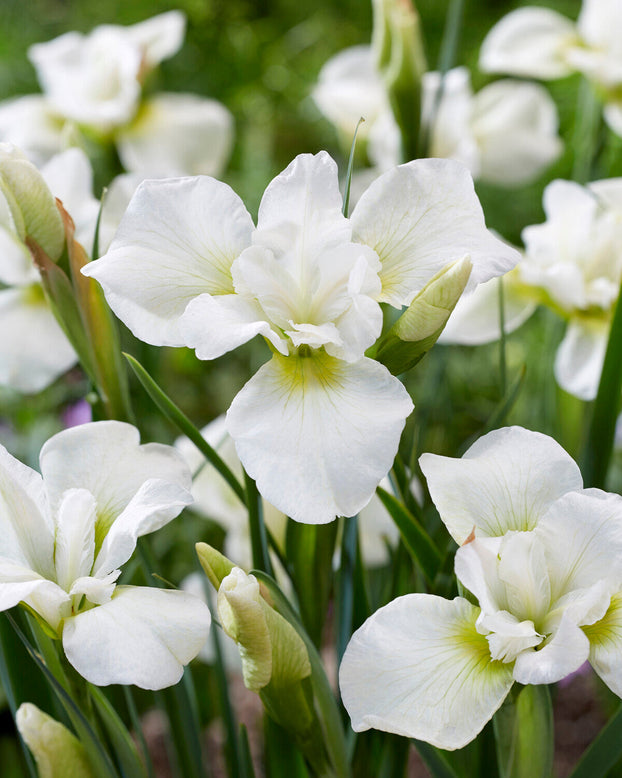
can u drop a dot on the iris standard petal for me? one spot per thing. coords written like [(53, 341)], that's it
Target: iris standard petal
[(177, 239), (505, 481), (421, 217)]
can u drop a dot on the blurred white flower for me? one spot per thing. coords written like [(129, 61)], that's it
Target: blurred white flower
[(318, 426), (96, 79), (543, 564), (66, 532), (575, 257), (571, 263), (94, 82), (34, 350), (541, 43), (505, 134)]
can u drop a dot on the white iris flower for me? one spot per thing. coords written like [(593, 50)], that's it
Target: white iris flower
[(318, 426), (95, 82), (541, 43), (65, 534), (572, 263), (505, 134), (543, 563)]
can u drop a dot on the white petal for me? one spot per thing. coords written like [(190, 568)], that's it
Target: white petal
[(74, 549), (177, 240), (582, 534), (377, 530), (156, 502), (505, 481), (159, 37), (143, 636), (177, 135), (612, 113), (475, 319), (118, 197), (318, 434), (449, 99), (422, 216), (34, 349), (216, 324), (96, 590), (349, 87), (605, 645), (580, 356), (32, 126), (19, 583), (302, 205), (70, 178), (509, 637), (419, 668), (529, 42), (515, 125), (123, 466), (564, 654), (26, 530)]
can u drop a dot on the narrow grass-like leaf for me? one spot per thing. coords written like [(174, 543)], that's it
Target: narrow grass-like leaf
[(180, 705), (603, 752), (183, 423), (435, 760), (599, 444), (124, 747), (419, 544), (326, 705), (346, 194), (138, 730), (98, 757), (7, 681), (283, 759), (246, 766)]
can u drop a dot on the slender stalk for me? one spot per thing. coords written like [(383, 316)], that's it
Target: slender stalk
[(503, 371), (345, 583), (259, 539), (601, 434), (138, 730), (586, 131)]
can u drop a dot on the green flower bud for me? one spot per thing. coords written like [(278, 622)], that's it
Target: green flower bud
[(400, 56), (57, 752), (31, 204), (420, 326), (271, 649)]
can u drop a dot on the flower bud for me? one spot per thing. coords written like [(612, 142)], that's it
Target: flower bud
[(272, 651), (30, 202), (398, 46), (57, 752), (420, 326)]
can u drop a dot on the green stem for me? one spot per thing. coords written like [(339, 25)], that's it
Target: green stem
[(502, 341), (599, 446), (259, 540), (587, 126)]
